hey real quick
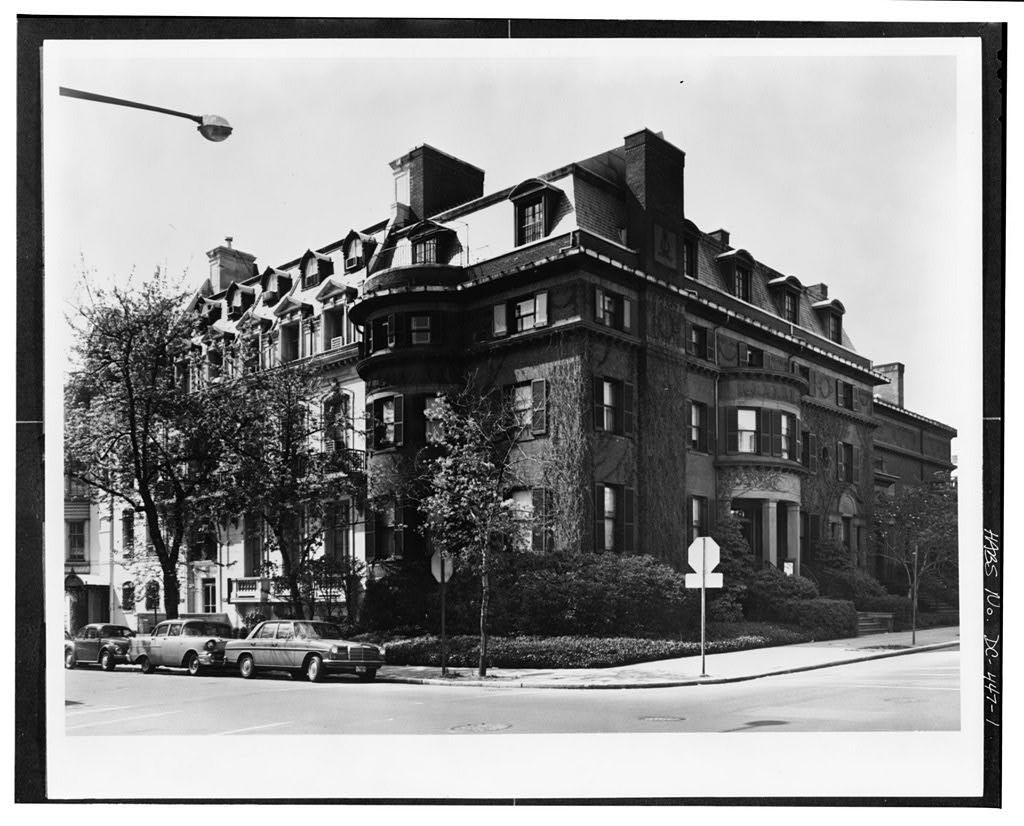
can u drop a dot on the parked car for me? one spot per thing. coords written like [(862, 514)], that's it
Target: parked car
[(182, 643), (302, 647), (100, 643)]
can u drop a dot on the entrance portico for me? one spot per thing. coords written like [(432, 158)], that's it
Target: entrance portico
[(771, 520)]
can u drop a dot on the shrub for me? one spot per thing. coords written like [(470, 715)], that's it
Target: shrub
[(852, 584), (398, 598), (824, 619), (770, 587), (726, 607)]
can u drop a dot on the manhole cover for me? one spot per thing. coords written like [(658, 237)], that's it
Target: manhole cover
[(666, 719), (481, 728), (903, 700)]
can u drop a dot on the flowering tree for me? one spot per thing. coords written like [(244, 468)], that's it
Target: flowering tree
[(130, 431), (916, 528), (469, 469)]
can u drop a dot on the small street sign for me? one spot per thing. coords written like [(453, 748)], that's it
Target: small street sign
[(709, 581), (435, 566)]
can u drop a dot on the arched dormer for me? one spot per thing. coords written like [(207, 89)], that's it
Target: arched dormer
[(357, 249), (534, 201), (432, 243), (786, 291), (274, 283), (831, 312), (691, 245), (314, 267), (239, 297), (738, 273)]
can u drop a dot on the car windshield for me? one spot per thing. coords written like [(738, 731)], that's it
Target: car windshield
[(116, 631), (317, 630)]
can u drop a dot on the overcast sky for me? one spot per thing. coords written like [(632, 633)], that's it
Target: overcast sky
[(834, 166)]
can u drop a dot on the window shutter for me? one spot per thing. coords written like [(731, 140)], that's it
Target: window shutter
[(540, 317), (839, 393), (856, 465), (798, 437), (712, 441), (399, 420), (702, 433), (370, 426), (776, 420), (703, 502), (370, 534), (628, 408), (599, 305), (855, 399), (619, 541), (598, 517), (814, 525), (391, 329), (764, 425), (741, 354), (709, 340), (732, 436), (840, 462), (629, 520), (499, 326), (538, 388), (627, 314), (598, 403), (539, 519), (812, 452)]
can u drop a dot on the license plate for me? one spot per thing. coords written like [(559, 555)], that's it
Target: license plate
[(360, 669)]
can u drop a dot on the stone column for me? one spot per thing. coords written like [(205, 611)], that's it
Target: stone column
[(793, 535), (769, 530)]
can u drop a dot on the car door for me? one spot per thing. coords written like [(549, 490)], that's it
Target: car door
[(173, 648), (156, 643), (287, 656), (265, 646), (87, 647)]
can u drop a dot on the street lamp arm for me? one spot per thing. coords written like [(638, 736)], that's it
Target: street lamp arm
[(76, 93)]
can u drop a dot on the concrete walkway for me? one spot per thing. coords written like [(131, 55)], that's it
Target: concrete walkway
[(721, 668)]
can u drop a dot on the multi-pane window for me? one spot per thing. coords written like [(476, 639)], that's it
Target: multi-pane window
[(524, 313), (698, 426), (424, 251), (289, 342), (698, 342), (522, 404), (341, 529), (747, 430), (529, 402), (844, 394), (698, 517), (522, 509), (312, 276), (835, 328), (338, 426), (742, 283), (128, 596), (609, 505), (613, 406), (530, 221), (755, 357), (790, 307), (127, 529), (786, 424), (386, 423), (387, 416), (420, 329), (845, 468), (209, 595), (76, 540), (432, 424), (613, 310)]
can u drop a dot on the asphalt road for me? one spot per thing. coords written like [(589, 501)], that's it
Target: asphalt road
[(909, 693)]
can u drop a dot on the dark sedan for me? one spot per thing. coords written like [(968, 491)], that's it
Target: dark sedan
[(302, 647), (98, 643)]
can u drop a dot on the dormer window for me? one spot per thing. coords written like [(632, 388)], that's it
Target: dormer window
[(311, 276), (742, 283), (690, 257), (354, 255), (791, 308), (835, 328), (535, 202), (425, 251)]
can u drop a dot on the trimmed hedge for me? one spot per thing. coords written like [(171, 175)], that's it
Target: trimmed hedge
[(853, 584), (824, 619), (578, 652), (770, 588)]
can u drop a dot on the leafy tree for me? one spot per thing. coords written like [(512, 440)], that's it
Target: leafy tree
[(131, 432), (916, 528), (473, 463), (275, 466)]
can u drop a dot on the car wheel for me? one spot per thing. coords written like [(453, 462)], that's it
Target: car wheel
[(106, 661), (69, 659), (368, 676), (246, 667), (192, 664), (315, 669), (146, 665)]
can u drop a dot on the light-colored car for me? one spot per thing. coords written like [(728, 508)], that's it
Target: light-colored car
[(100, 643), (182, 643), (303, 647)]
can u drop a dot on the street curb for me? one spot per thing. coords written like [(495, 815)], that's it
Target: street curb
[(511, 684)]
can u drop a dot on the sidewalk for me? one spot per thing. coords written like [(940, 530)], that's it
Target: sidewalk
[(721, 668)]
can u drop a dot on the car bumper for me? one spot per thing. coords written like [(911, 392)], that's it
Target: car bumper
[(352, 666), (209, 658)]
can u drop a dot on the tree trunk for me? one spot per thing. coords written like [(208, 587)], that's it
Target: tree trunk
[(172, 590), (485, 597)]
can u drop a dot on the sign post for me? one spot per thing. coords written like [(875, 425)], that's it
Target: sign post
[(441, 568), (703, 556)]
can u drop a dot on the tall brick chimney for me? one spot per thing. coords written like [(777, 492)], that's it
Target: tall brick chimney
[(654, 200), (433, 181), (893, 391), (817, 292), (228, 265)]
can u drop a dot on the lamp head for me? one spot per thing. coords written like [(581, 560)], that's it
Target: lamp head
[(214, 128)]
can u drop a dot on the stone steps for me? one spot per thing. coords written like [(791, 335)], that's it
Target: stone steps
[(874, 622)]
